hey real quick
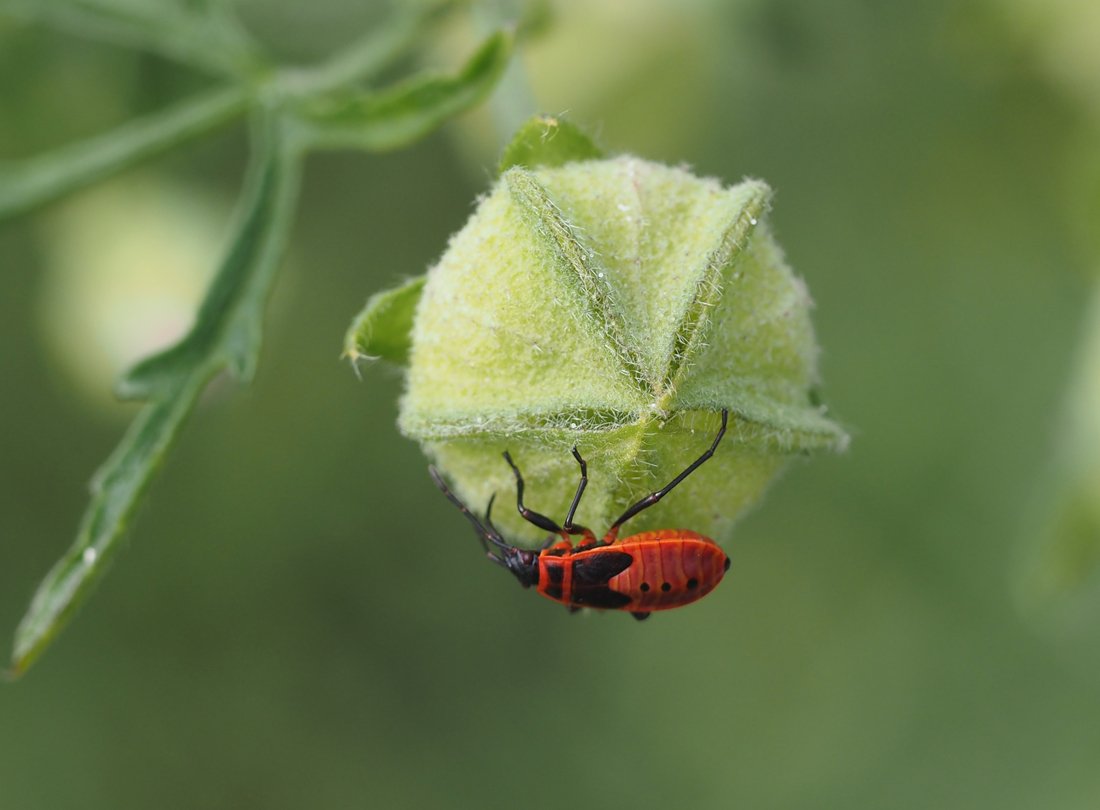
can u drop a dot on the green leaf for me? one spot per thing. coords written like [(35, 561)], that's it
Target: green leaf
[(409, 110), (226, 335), (42, 179), (548, 141), (384, 328)]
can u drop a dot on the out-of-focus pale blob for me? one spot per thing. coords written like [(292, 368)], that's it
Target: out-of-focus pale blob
[(1064, 35), (643, 72), (126, 265), (1061, 571)]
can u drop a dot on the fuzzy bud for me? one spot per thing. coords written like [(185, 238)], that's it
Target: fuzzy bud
[(617, 305)]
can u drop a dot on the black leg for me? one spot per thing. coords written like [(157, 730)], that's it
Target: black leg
[(568, 525), (654, 497), (534, 518)]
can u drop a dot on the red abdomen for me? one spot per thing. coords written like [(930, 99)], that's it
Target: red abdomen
[(671, 567), (651, 571)]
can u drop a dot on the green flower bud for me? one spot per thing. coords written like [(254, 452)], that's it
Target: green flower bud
[(617, 305)]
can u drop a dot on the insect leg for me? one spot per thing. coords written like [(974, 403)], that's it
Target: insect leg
[(569, 527), (542, 521), (654, 497)]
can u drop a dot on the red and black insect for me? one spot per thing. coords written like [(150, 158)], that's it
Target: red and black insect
[(655, 570)]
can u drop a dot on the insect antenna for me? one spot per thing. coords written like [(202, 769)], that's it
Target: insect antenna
[(493, 530), (486, 532), (489, 515)]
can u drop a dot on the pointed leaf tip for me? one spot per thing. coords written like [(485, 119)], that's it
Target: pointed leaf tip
[(546, 140), (383, 330)]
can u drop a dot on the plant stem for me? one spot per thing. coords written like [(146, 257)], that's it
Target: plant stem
[(45, 178)]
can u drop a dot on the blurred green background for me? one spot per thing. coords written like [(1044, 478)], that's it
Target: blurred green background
[(302, 621)]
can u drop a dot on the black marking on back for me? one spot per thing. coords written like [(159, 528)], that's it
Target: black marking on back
[(599, 568), (598, 596), (554, 572)]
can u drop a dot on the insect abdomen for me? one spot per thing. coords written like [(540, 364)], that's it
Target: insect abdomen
[(671, 568), (646, 572)]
